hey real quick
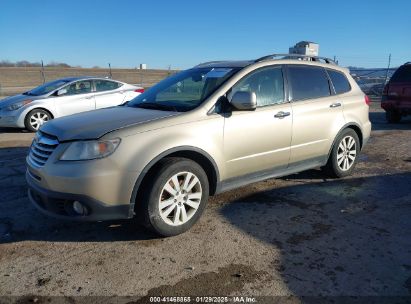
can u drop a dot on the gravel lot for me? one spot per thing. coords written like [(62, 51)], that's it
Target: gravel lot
[(301, 235)]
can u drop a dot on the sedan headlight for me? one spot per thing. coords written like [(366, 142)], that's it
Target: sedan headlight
[(18, 105), (90, 149)]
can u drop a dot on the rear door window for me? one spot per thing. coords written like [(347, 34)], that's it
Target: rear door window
[(106, 85), (403, 74), (340, 82), (308, 82)]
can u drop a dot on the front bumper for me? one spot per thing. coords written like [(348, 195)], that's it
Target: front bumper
[(9, 119), (60, 205)]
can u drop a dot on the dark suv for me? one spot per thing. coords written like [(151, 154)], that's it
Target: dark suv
[(396, 97)]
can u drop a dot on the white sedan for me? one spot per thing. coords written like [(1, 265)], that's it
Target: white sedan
[(63, 97)]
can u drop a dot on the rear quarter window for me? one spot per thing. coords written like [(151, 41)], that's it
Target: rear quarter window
[(308, 82), (340, 82), (403, 74)]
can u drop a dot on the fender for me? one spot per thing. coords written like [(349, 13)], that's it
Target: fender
[(347, 125), (164, 154)]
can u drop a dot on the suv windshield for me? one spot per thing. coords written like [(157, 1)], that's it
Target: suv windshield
[(183, 91), (47, 87)]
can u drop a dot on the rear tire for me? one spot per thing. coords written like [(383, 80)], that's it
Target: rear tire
[(169, 209), (344, 154), (36, 118), (393, 116)]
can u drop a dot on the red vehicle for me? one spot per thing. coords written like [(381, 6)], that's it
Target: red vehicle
[(396, 97)]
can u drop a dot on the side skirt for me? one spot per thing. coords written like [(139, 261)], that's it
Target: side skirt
[(274, 172)]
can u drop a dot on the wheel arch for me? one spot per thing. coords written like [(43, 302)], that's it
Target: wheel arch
[(195, 154), (40, 108), (355, 127)]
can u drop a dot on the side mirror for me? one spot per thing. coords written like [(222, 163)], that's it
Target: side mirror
[(244, 101), (61, 92)]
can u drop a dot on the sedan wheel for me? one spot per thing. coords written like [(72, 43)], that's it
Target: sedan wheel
[(36, 118)]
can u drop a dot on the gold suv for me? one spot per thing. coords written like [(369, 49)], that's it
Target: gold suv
[(208, 129)]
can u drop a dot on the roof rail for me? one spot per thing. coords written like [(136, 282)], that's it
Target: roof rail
[(298, 57)]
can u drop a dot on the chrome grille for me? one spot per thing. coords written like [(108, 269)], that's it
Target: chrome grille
[(42, 147)]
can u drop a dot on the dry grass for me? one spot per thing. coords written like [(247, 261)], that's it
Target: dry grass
[(14, 80)]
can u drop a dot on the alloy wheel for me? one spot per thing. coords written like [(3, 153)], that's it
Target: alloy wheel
[(346, 153), (180, 198), (38, 119)]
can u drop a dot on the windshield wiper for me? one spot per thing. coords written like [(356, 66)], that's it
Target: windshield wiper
[(155, 106), (28, 93)]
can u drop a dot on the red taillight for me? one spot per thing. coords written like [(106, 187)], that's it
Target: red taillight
[(139, 90), (367, 100)]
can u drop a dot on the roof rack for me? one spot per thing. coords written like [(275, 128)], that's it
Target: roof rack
[(298, 57)]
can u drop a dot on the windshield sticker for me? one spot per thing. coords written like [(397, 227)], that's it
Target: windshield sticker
[(217, 73)]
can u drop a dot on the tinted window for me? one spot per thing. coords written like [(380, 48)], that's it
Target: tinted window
[(79, 87), (403, 74), (340, 82), (308, 82), (267, 84)]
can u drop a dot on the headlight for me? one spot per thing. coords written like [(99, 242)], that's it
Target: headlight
[(18, 105), (90, 149)]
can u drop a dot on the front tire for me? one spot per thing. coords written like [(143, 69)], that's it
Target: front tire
[(175, 196), (344, 154), (36, 118)]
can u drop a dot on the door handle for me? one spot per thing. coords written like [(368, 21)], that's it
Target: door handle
[(89, 97), (282, 114), (335, 105)]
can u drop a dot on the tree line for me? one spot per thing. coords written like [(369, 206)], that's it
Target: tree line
[(25, 63)]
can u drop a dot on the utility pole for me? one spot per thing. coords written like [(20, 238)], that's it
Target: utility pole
[(386, 73), (109, 67), (42, 71)]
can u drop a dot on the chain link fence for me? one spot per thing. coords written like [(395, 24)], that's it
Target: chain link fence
[(372, 81)]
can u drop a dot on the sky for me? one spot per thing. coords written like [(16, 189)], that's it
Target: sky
[(180, 34)]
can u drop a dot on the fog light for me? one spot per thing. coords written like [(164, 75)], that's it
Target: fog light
[(79, 208)]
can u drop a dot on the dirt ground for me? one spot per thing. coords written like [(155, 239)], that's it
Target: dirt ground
[(301, 235)]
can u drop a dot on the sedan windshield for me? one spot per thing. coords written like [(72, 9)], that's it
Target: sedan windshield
[(183, 91), (47, 88)]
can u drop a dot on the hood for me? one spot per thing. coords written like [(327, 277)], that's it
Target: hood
[(95, 124), (17, 98)]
